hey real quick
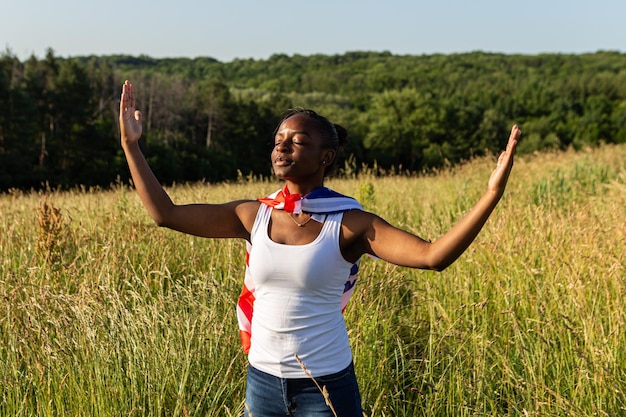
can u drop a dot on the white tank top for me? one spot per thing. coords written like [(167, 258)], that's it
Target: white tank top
[(297, 307)]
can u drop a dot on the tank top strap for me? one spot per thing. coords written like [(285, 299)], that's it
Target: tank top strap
[(262, 220), (332, 226)]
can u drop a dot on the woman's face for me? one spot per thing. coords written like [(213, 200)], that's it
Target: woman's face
[(298, 149)]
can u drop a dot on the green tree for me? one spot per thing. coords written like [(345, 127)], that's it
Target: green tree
[(18, 127), (212, 100), (401, 125), (618, 122)]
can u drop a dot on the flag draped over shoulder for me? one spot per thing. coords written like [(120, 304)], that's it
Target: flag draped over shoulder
[(318, 202)]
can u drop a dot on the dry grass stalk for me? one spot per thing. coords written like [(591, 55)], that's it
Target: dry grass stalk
[(53, 232), (323, 389)]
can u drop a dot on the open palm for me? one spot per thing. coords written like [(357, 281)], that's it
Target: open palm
[(130, 118), (500, 175)]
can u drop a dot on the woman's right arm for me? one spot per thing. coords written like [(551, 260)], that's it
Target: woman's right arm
[(232, 219)]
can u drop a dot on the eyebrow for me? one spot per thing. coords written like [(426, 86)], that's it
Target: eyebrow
[(294, 132)]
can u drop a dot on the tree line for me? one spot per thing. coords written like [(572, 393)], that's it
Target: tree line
[(213, 121)]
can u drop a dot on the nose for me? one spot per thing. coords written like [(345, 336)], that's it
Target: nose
[(283, 146)]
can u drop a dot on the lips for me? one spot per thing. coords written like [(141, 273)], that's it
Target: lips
[(282, 162)]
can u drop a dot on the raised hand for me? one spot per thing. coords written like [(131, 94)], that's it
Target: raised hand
[(500, 175), (130, 118)]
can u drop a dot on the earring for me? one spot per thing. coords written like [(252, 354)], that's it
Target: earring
[(323, 162)]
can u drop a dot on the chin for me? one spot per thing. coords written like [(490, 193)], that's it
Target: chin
[(278, 174)]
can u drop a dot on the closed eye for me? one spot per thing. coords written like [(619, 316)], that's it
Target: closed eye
[(298, 137), (297, 142)]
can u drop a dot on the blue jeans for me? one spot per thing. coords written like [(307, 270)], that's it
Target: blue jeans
[(270, 396)]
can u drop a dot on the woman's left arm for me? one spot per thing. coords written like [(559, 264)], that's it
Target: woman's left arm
[(405, 249)]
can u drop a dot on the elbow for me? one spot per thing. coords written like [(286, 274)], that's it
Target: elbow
[(439, 260), (439, 267), (161, 220), (166, 222), (439, 264), (163, 216)]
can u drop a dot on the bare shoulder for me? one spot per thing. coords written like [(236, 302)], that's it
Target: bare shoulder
[(358, 225), (357, 216), (358, 231), (359, 221), (246, 211)]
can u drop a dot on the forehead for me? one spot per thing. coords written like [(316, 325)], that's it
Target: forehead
[(299, 123)]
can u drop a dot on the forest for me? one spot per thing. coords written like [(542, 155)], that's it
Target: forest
[(212, 121)]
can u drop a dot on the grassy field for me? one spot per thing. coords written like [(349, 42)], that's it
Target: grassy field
[(104, 314)]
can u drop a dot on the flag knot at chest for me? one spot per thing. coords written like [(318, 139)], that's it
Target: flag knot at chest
[(284, 200)]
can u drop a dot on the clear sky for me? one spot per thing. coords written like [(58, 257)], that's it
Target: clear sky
[(230, 29)]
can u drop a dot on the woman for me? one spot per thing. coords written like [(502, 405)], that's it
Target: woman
[(299, 258)]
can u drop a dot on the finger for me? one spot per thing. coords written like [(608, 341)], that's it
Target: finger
[(131, 94), (506, 156), (125, 100), (138, 115), (513, 137)]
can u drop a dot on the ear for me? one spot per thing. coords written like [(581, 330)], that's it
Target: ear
[(328, 156)]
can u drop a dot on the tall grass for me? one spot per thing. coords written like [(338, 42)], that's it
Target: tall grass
[(102, 313)]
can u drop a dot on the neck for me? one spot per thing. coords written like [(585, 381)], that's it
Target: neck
[(302, 189)]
